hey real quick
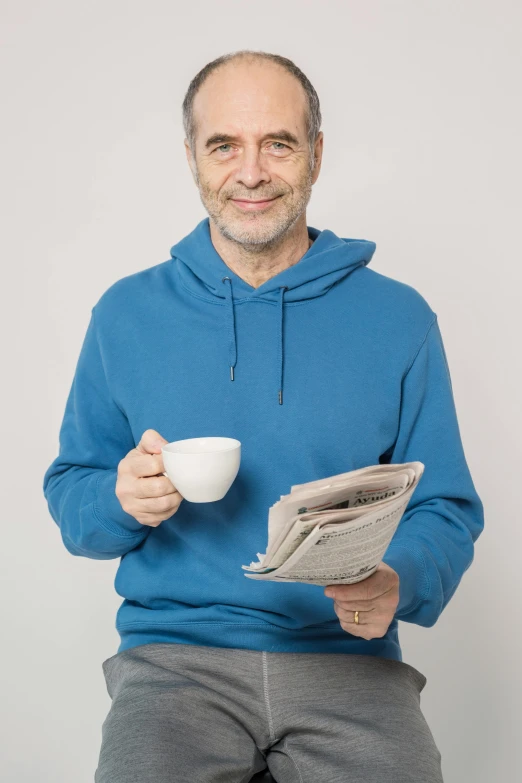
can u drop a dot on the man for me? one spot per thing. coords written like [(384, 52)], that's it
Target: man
[(267, 330)]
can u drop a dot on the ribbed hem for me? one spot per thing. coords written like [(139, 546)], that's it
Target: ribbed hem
[(262, 637)]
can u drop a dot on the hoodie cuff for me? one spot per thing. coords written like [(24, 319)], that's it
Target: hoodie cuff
[(108, 508), (413, 577)]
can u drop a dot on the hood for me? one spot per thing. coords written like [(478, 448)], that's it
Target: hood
[(329, 259)]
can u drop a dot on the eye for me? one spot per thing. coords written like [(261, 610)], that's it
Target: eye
[(222, 146)]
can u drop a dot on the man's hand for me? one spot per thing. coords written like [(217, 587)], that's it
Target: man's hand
[(142, 489), (375, 598)]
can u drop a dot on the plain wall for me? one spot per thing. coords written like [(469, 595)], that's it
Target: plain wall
[(422, 128)]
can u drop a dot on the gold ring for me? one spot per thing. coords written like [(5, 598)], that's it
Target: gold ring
[(356, 618)]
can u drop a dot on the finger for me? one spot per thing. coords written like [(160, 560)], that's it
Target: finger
[(359, 603), (165, 505), (364, 590), (151, 442), (151, 520), (142, 465), (362, 631), (154, 487), (349, 614)]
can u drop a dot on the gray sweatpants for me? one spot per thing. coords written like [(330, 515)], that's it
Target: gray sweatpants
[(189, 714)]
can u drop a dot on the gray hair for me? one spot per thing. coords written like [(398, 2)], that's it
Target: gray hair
[(313, 113)]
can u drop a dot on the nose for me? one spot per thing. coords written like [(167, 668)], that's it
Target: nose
[(251, 168)]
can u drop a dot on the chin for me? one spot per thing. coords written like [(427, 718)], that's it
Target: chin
[(247, 235)]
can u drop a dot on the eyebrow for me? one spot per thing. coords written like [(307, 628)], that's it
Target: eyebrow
[(224, 138)]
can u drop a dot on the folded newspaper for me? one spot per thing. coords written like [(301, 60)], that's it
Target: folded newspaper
[(336, 529)]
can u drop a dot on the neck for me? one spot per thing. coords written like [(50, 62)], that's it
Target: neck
[(257, 264)]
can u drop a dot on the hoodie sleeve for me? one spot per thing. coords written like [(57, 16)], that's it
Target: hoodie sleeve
[(79, 485), (434, 543)]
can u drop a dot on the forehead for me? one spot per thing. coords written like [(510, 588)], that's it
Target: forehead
[(250, 97)]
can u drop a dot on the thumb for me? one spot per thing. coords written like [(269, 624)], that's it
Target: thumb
[(151, 442)]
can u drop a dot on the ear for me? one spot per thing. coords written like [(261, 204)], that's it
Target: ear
[(318, 152), (191, 162)]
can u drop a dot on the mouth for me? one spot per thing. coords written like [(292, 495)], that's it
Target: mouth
[(253, 206)]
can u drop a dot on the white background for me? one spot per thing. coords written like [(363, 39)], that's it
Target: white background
[(422, 128)]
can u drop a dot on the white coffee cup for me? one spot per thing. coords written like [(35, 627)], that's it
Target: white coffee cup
[(202, 469)]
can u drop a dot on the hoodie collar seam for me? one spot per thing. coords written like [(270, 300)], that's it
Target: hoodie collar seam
[(202, 298), (246, 299)]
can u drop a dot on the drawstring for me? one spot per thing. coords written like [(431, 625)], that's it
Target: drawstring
[(281, 341), (232, 351), (232, 334)]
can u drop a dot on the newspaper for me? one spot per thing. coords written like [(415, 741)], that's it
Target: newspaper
[(336, 529)]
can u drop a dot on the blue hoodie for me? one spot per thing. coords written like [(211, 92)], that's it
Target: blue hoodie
[(327, 367)]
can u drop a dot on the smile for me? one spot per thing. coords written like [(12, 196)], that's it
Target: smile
[(253, 205)]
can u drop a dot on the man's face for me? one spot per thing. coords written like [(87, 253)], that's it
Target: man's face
[(250, 104)]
